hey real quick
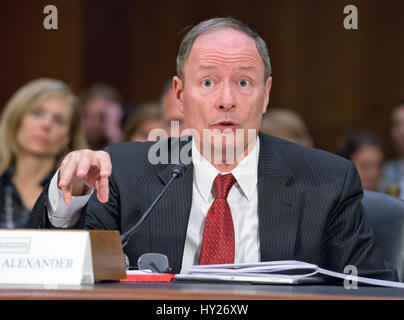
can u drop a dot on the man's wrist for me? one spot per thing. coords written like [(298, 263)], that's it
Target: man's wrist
[(83, 191)]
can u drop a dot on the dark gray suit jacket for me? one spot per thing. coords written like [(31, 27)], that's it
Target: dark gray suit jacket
[(309, 208)]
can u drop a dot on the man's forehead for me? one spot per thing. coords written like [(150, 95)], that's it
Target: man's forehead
[(208, 67), (225, 46), (224, 39)]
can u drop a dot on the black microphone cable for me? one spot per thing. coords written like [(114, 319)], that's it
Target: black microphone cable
[(177, 171)]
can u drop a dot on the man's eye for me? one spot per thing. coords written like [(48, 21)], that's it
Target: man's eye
[(207, 83), (243, 83)]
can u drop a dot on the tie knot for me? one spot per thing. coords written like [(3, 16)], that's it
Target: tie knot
[(222, 185)]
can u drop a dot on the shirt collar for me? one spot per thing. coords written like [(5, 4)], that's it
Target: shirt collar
[(245, 172)]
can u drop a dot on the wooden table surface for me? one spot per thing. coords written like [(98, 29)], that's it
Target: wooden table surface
[(195, 291)]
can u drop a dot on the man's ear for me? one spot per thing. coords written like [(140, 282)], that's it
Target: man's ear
[(178, 89), (268, 86)]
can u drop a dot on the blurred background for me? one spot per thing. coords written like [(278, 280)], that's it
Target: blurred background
[(104, 77), (335, 79)]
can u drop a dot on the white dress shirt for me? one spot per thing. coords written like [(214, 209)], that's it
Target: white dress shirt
[(242, 199), (60, 214), (243, 203)]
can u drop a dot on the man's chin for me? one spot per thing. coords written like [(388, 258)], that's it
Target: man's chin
[(227, 142)]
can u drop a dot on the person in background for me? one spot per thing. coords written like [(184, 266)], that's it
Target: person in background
[(393, 170), (39, 126), (286, 124), (102, 116), (365, 150), (171, 112), (145, 118)]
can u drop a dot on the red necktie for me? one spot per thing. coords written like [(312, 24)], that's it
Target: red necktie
[(218, 233)]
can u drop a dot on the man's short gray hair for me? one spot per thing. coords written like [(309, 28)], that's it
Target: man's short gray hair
[(216, 24)]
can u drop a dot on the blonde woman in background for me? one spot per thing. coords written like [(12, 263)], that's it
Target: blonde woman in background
[(39, 125), (286, 124)]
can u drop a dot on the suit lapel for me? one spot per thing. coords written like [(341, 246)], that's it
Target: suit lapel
[(278, 203)]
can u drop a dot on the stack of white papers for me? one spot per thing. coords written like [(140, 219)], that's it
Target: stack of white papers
[(283, 271), (287, 268)]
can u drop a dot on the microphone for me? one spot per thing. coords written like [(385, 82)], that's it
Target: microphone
[(177, 171)]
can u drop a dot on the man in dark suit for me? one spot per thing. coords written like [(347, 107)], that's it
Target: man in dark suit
[(259, 198)]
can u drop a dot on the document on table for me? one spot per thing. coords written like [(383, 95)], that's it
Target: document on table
[(276, 272)]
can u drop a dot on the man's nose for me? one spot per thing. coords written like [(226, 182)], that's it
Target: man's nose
[(226, 100)]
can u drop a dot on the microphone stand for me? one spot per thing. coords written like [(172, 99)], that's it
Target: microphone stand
[(178, 170)]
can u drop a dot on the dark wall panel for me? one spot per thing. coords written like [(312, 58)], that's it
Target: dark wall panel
[(335, 78)]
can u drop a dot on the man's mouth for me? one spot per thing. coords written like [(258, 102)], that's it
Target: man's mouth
[(226, 126)]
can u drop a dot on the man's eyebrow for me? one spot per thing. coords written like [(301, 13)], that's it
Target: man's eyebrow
[(247, 68), (207, 67)]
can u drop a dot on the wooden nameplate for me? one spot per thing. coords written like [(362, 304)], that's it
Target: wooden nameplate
[(107, 255)]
